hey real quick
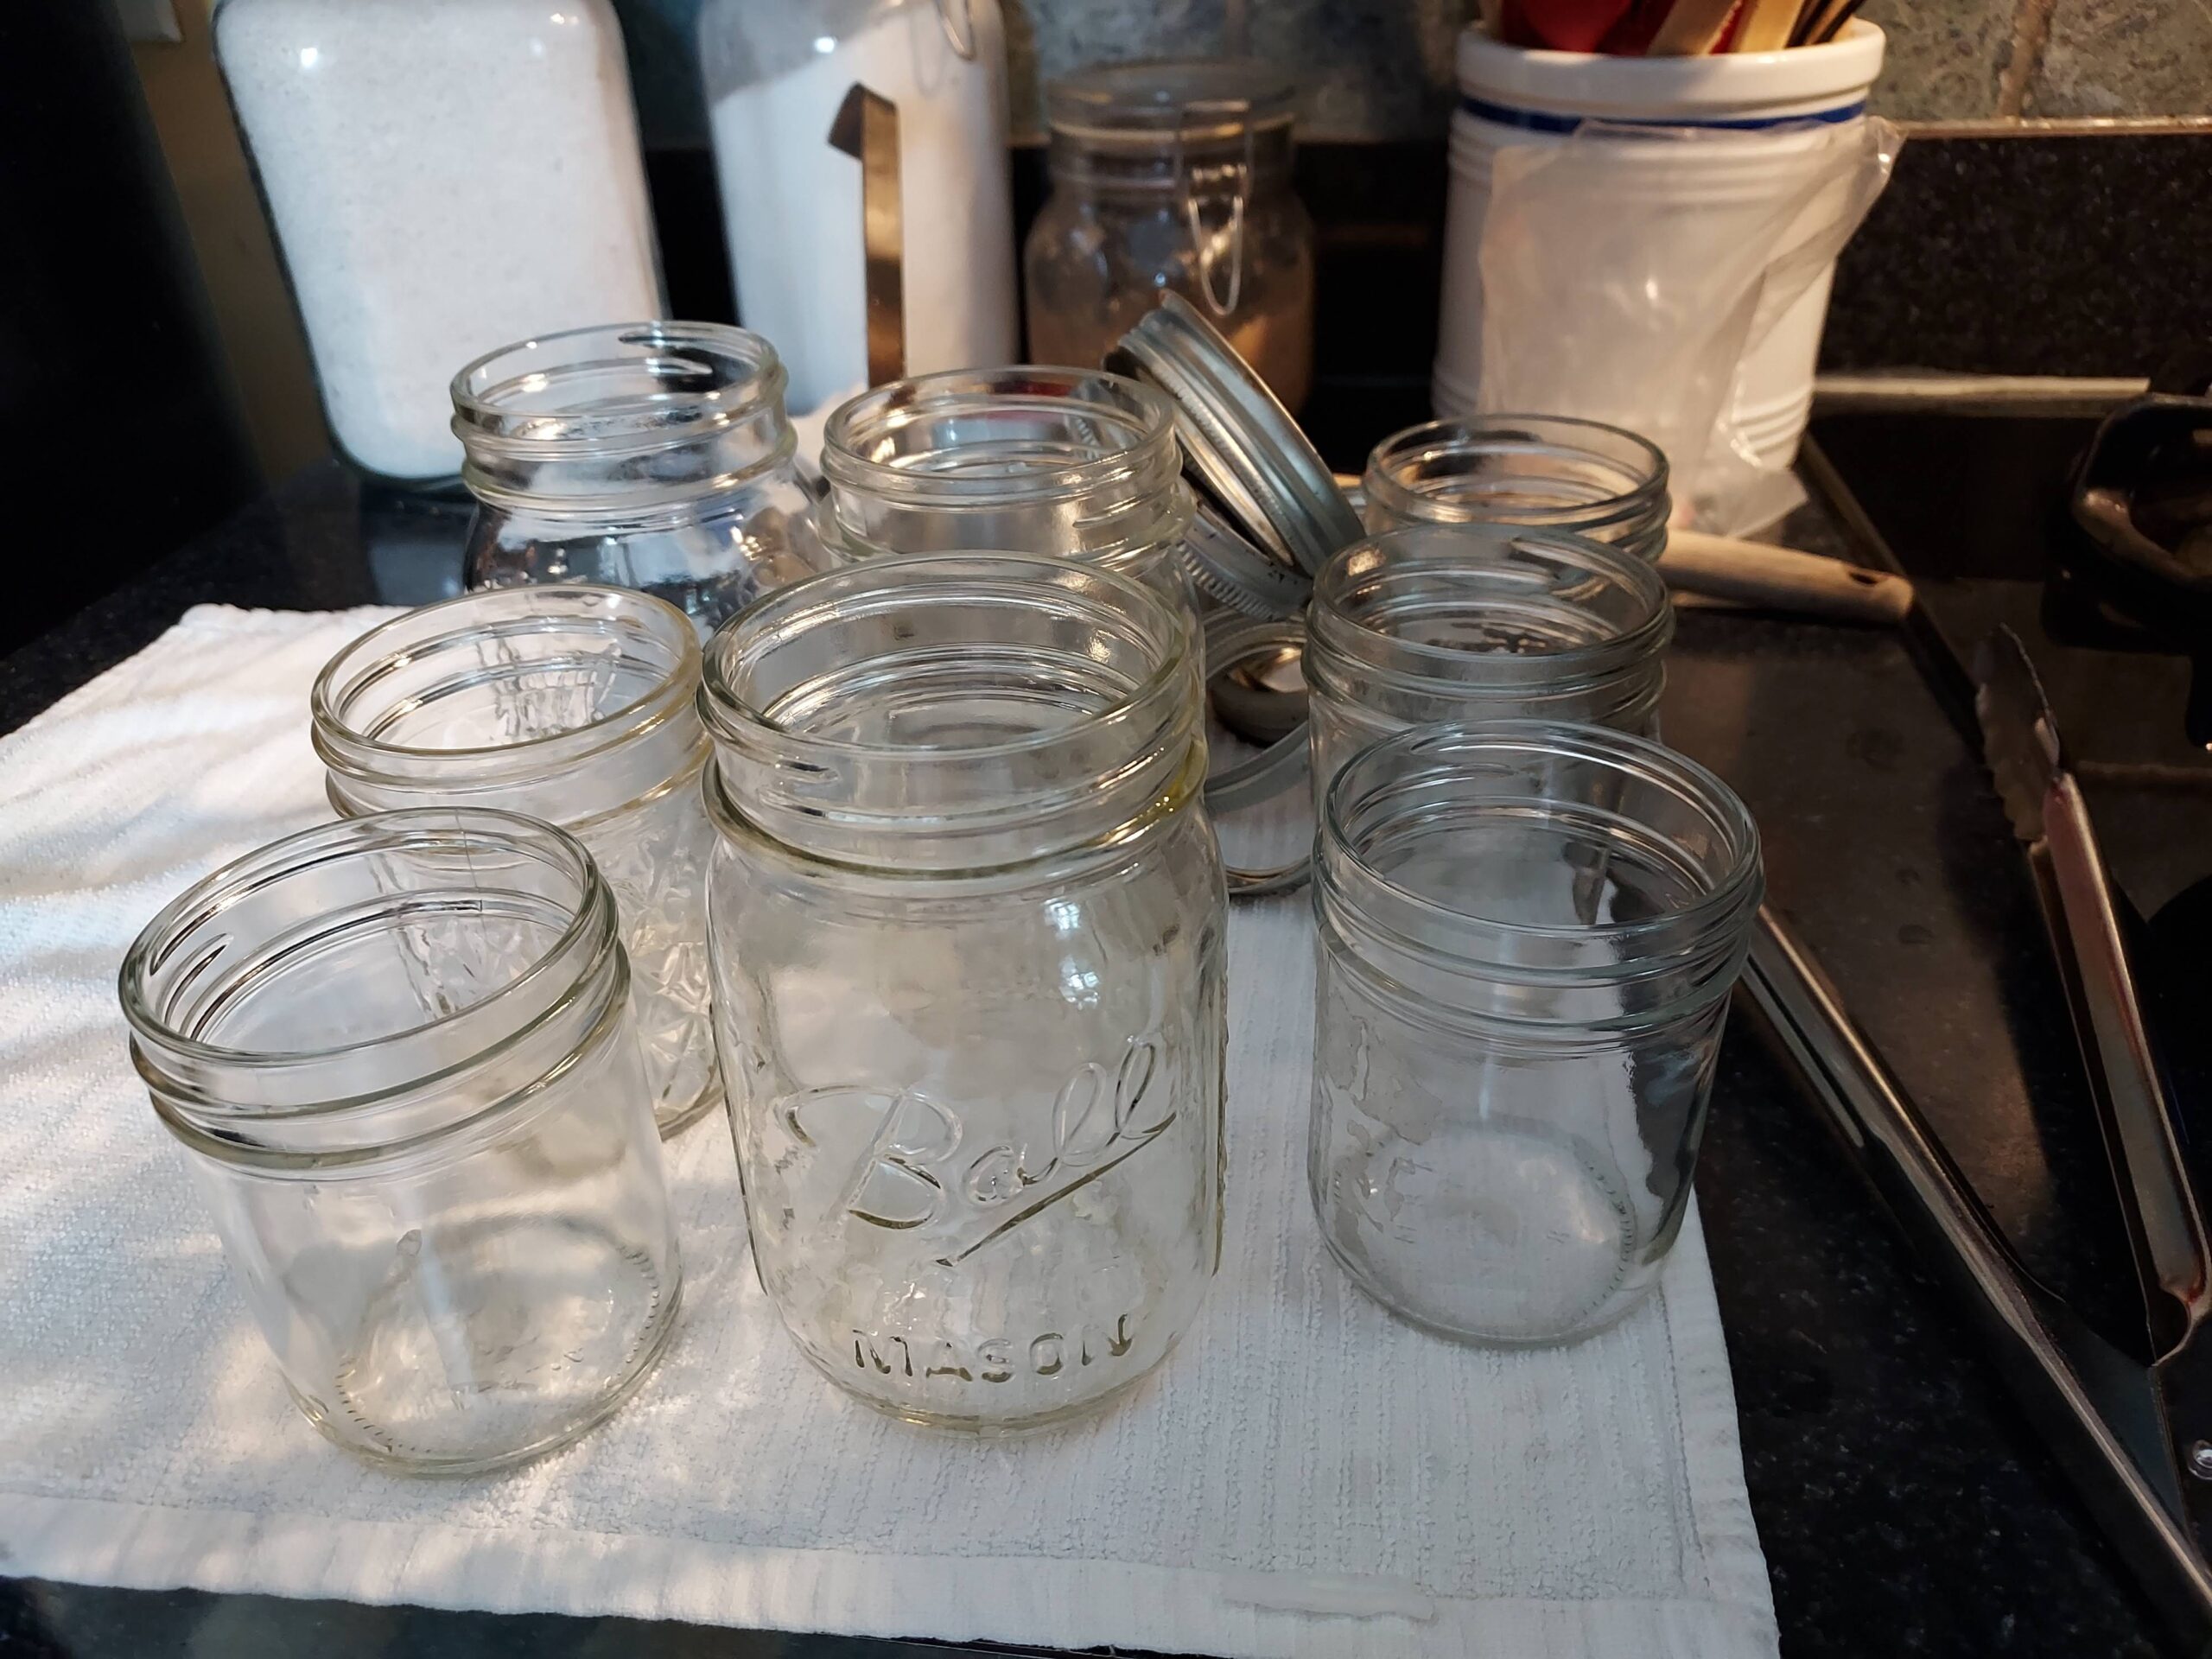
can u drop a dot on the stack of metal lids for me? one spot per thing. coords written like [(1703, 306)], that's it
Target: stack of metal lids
[(1270, 515), (1275, 499)]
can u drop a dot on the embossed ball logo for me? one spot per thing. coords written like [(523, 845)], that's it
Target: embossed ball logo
[(917, 1165)]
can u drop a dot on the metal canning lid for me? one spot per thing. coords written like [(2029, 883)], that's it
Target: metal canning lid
[(1242, 445), (1227, 569), (1231, 642)]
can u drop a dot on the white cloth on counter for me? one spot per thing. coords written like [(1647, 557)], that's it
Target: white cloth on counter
[(1304, 1476)]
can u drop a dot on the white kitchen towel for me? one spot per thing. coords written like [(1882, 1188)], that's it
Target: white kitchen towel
[(1304, 1476)]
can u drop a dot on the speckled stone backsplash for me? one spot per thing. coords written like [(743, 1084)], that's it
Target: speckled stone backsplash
[(1382, 68)]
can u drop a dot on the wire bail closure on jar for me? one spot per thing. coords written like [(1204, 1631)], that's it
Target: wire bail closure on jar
[(1205, 244), (959, 35)]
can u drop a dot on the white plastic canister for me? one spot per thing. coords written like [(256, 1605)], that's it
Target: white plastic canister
[(1512, 97)]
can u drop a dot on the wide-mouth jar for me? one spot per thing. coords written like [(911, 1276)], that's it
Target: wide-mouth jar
[(1460, 622), (1547, 472), (1075, 462), (575, 705), (968, 930), (396, 1052), (1527, 934), (654, 456)]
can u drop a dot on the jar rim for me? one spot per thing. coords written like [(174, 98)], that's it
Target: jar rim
[(493, 396), (1045, 707), (865, 422), (592, 918), (1725, 894), (1472, 550), (357, 668), (890, 584), (1153, 99), (1640, 464)]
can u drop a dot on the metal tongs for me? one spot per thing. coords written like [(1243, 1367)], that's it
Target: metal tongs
[(2133, 1425)]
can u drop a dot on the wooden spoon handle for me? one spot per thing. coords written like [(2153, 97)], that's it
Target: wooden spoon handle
[(1781, 578), (1691, 29), (1766, 25)]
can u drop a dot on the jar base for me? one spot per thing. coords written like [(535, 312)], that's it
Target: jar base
[(673, 1123), (1367, 1285), (652, 1341)]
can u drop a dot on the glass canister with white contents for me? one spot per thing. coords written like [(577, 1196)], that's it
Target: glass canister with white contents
[(969, 942), (576, 705), (1075, 462), (440, 178)]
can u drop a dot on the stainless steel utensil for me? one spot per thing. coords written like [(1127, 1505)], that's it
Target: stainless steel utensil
[(2133, 1424), (2165, 1221), (2112, 1422)]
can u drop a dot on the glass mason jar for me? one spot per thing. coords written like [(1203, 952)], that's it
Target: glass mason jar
[(1465, 622), (1527, 935), (439, 178), (576, 705), (969, 921), (396, 1052), (653, 455), (1174, 175), (1544, 471), (1074, 462)]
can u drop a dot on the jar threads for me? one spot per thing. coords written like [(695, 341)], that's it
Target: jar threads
[(1546, 472)]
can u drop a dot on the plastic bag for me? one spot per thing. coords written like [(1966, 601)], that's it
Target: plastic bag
[(1629, 275)]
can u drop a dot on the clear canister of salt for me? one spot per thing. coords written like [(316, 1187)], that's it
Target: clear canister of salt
[(441, 179)]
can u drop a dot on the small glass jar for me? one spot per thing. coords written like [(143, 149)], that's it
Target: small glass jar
[(1174, 175), (968, 919), (576, 705), (1544, 471), (1075, 462), (1479, 622), (397, 1052), (1527, 937), (653, 455)]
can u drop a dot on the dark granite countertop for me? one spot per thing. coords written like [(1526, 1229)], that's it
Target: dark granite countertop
[(1903, 1506)]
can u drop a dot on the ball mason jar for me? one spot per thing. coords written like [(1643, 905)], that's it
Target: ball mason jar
[(1459, 622), (1547, 472), (1075, 462), (968, 929), (576, 705), (1527, 934), (396, 1051), (653, 455), (1173, 176)]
